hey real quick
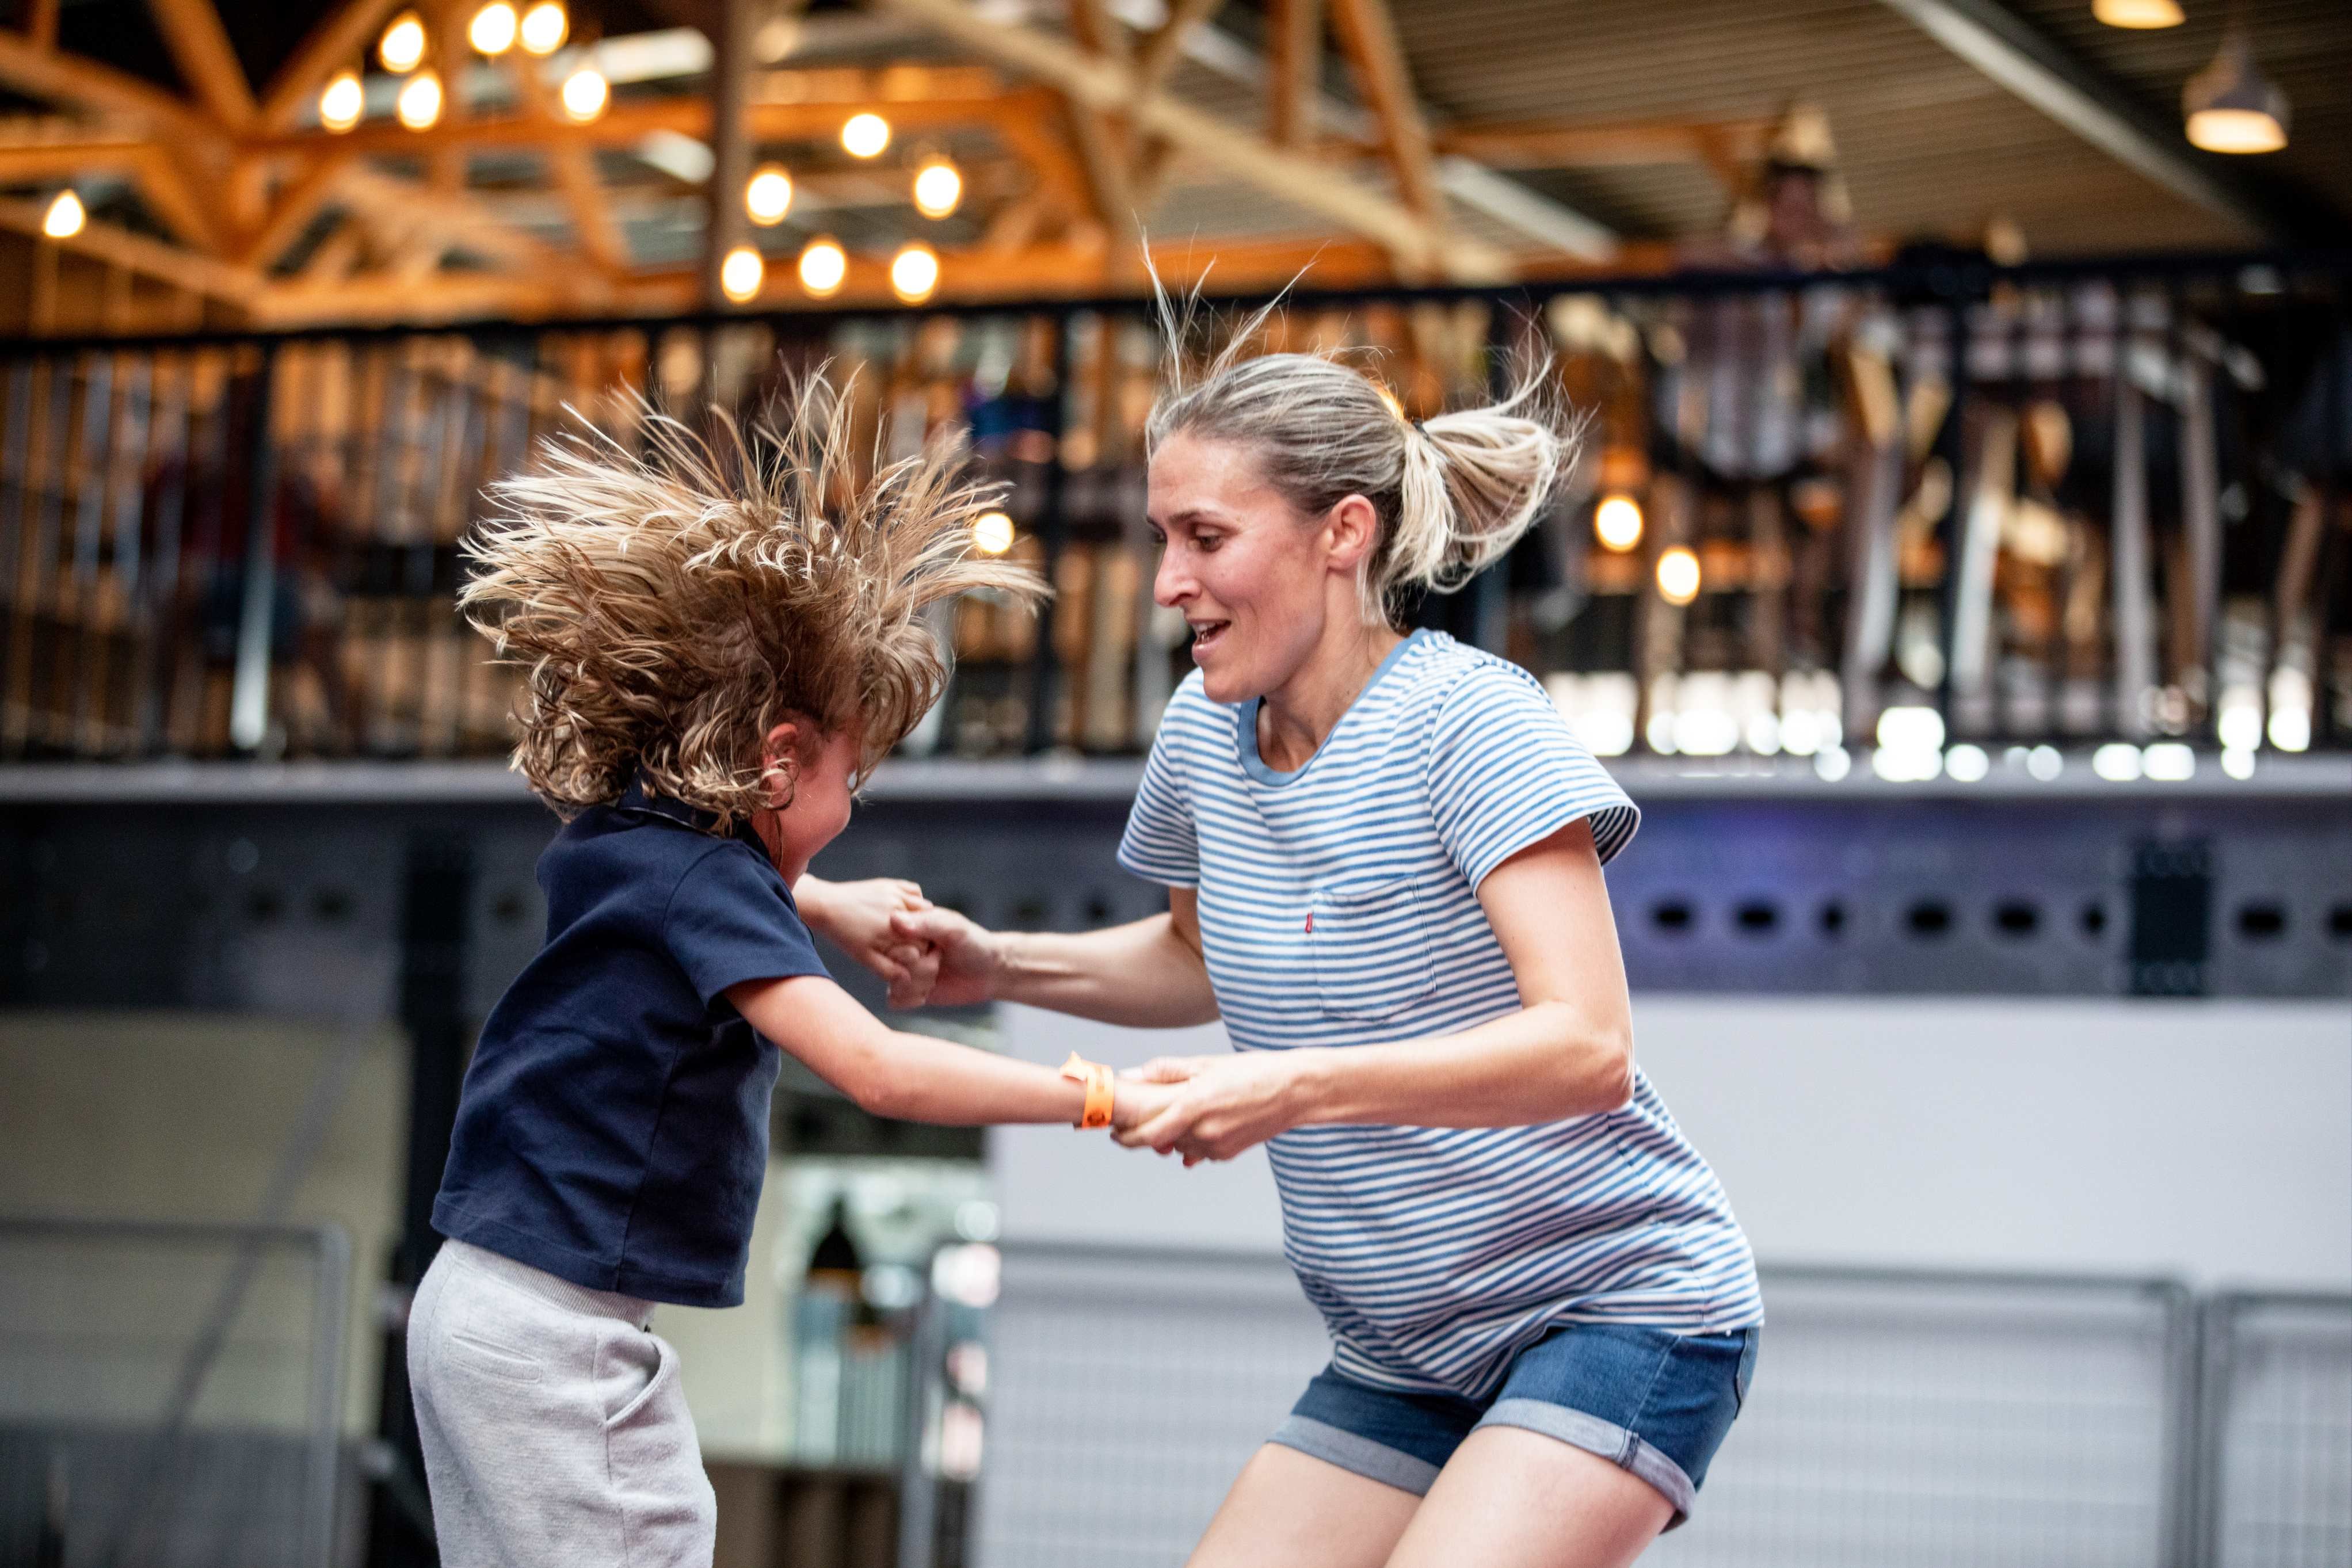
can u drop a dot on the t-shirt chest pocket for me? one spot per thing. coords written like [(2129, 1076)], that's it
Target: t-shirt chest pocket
[(1370, 954)]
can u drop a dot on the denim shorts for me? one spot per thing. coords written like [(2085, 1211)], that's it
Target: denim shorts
[(1655, 1401)]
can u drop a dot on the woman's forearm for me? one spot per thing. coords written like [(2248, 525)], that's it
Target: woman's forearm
[(1542, 1063), (1143, 975)]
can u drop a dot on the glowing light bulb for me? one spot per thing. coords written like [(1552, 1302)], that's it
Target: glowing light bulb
[(65, 218), (741, 273), (2139, 15), (823, 267), (419, 104), (585, 94), (1678, 575), (769, 196), (913, 273), (403, 44), (865, 135), (991, 533), (937, 188), (492, 30), (544, 26), (341, 101), (1617, 522)]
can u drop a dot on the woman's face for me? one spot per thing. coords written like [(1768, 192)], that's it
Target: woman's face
[(1253, 580)]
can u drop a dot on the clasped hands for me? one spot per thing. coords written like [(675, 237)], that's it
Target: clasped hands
[(1196, 1107)]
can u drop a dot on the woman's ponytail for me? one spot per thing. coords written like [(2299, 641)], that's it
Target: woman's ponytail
[(1453, 492)]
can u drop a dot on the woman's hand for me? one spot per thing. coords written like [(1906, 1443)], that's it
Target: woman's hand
[(967, 957), (857, 916), (1219, 1105)]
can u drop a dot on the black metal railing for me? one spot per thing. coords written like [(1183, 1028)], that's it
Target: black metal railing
[(2058, 506)]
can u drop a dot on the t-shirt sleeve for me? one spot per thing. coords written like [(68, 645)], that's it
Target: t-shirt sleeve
[(1160, 844), (731, 919), (1505, 771)]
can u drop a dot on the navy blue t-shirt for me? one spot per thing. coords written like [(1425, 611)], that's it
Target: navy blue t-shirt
[(614, 1127)]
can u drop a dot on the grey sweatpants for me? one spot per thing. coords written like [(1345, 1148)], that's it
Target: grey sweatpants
[(554, 1425)]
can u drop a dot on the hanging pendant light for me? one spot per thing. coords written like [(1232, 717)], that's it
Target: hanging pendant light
[(2140, 16), (2232, 107)]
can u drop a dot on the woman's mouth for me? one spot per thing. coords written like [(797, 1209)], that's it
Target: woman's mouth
[(1207, 634)]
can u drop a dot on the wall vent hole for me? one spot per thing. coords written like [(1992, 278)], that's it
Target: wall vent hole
[(2095, 919), (2339, 923), (1929, 917), (1759, 918), (2017, 917), (1833, 918), (1672, 915), (2262, 922)]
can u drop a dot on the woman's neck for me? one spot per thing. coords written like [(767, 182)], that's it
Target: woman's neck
[(1298, 717)]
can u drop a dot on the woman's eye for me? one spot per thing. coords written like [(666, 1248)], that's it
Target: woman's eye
[(1207, 542)]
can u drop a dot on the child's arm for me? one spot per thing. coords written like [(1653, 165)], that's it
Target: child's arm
[(914, 1077), (855, 915)]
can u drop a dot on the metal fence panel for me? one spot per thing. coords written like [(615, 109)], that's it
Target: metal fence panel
[(1919, 1419), (2276, 1460), (1125, 1392), (169, 1393)]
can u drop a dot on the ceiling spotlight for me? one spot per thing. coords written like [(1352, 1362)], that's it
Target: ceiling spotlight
[(823, 267), (769, 196), (585, 93), (65, 218), (544, 26), (419, 104), (403, 44), (341, 101), (865, 135), (2232, 107), (741, 273), (1617, 523), (913, 273), (991, 533), (2139, 15), (1678, 575), (492, 30), (938, 187)]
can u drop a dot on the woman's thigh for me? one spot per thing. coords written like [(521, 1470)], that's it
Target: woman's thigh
[(1515, 1498), (1294, 1511)]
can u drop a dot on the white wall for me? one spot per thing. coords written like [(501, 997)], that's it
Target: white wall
[(2211, 1141), (182, 1117)]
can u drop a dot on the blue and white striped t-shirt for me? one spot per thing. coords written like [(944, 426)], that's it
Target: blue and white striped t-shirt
[(1338, 906)]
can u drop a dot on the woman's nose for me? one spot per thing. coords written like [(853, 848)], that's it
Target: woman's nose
[(1172, 584)]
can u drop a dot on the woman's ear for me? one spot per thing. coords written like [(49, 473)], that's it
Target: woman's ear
[(780, 764), (1351, 527)]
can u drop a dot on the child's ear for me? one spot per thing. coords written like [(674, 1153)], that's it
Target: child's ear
[(780, 763)]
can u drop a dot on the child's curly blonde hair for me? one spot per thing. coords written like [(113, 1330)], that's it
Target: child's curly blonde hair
[(673, 608)]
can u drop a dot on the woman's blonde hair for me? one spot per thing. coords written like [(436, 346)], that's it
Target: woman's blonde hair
[(673, 608), (1453, 492)]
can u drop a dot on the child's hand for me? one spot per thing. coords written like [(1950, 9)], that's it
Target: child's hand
[(1135, 1101), (857, 916)]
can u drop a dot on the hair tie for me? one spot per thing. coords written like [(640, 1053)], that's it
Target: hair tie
[(1418, 425)]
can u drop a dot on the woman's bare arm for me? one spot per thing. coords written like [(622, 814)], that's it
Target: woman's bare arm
[(1148, 973)]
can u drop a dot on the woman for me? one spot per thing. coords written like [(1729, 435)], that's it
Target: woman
[(1383, 860)]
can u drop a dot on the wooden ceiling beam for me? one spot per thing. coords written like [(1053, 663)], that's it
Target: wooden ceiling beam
[(173, 192), (1367, 35), (1102, 138), (1298, 181), (297, 204), (626, 124), (22, 162), (341, 40), (1294, 62), (979, 274), (72, 81), (199, 46), (137, 253), (457, 221)]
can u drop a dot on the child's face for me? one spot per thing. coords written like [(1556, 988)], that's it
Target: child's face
[(819, 806)]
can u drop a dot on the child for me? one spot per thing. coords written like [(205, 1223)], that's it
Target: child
[(722, 645)]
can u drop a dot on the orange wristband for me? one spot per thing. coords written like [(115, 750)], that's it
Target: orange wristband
[(1098, 1080)]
